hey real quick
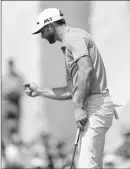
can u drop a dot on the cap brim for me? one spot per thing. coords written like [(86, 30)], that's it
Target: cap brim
[(36, 32)]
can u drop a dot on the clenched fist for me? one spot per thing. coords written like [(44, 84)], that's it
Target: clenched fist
[(31, 89)]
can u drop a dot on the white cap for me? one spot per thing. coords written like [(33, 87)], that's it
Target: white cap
[(46, 17)]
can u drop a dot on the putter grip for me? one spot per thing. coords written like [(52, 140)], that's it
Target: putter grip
[(77, 136)]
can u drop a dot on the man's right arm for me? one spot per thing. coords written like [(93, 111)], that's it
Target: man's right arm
[(59, 93)]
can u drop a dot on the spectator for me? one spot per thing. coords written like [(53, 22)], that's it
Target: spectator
[(3, 162), (11, 95), (124, 149), (110, 161)]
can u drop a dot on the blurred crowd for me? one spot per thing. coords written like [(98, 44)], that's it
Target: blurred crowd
[(45, 151), (120, 157)]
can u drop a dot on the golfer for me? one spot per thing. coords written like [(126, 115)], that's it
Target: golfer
[(86, 84)]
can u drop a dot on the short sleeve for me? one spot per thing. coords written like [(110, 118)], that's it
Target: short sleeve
[(78, 47)]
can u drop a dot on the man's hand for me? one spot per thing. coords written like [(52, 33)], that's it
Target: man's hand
[(81, 117), (31, 89)]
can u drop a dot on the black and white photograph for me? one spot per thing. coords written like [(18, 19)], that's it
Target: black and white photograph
[(65, 84)]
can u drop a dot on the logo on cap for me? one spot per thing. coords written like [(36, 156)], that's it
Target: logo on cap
[(48, 20)]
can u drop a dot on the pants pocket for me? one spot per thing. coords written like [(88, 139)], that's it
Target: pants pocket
[(102, 117)]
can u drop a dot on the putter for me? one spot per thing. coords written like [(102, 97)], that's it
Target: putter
[(75, 145)]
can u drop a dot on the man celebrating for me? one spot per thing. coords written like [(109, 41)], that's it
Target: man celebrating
[(86, 84)]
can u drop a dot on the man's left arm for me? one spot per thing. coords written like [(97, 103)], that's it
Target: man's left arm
[(84, 83), (78, 45), (84, 80)]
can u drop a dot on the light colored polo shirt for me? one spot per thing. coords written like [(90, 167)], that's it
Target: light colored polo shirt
[(78, 43)]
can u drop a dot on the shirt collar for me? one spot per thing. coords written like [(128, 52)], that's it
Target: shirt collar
[(65, 33)]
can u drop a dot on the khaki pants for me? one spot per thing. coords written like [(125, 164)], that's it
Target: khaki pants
[(100, 110)]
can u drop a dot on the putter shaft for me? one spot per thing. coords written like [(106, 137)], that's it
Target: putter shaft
[(75, 145)]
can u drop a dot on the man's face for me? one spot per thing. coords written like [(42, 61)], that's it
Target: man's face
[(48, 33)]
